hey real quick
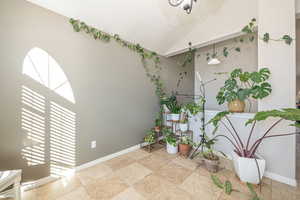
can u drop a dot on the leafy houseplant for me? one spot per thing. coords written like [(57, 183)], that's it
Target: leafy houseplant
[(185, 146), (150, 137), (192, 108), (245, 152), (171, 140), (211, 160), (173, 106), (241, 86)]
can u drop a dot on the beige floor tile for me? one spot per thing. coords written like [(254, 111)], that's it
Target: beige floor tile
[(199, 186), (152, 185), (186, 163), (91, 174), (119, 162), (129, 194), (77, 194), (133, 173), (153, 162), (174, 173), (164, 155), (58, 188), (29, 195), (172, 193), (138, 154), (106, 188)]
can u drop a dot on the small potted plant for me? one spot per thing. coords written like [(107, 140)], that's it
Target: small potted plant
[(183, 123), (248, 165), (158, 123), (172, 145), (173, 106), (211, 160), (185, 146), (241, 86), (150, 137)]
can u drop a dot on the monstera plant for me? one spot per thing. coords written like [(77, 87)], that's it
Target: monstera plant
[(241, 86)]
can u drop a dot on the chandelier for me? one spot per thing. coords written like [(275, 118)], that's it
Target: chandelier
[(186, 5)]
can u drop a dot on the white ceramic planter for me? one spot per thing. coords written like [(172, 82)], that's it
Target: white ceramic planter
[(183, 127), (246, 168), (171, 149), (174, 117)]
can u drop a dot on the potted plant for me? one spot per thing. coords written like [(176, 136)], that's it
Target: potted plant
[(173, 106), (183, 123), (248, 165), (172, 145), (192, 108), (158, 123), (150, 137), (185, 146), (211, 160), (241, 86)]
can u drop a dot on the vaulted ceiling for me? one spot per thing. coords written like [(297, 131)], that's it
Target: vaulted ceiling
[(156, 25)]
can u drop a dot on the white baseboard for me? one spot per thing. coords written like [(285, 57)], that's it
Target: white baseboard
[(108, 157), (34, 184), (282, 179), (271, 175)]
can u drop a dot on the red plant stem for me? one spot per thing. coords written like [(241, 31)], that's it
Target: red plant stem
[(250, 135), (261, 139), (237, 148), (236, 141), (257, 143), (235, 132)]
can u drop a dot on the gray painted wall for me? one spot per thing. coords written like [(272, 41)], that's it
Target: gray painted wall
[(246, 59), (115, 102)]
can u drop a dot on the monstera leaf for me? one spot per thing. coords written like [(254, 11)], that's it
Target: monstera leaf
[(261, 91), (235, 73), (230, 84), (260, 76)]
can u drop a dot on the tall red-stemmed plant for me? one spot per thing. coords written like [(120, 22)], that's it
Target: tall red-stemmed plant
[(249, 148)]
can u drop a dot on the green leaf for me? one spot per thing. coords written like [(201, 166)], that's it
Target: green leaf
[(238, 49), (266, 37), (243, 94), (228, 187), (236, 73), (217, 181), (244, 77), (287, 39), (218, 117), (290, 114), (225, 52), (261, 91)]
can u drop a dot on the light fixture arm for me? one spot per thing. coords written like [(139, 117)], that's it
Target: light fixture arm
[(187, 7)]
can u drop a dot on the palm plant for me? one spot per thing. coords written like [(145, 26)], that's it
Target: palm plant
[(248, 149)]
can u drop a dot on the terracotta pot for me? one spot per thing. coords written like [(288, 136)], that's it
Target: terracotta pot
[(236, 106), (184, 149), (211, 165), (157, 129)]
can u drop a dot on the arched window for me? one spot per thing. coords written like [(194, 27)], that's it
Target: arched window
[(47, 119), (40, 66)]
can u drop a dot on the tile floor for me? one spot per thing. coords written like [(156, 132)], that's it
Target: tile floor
[(157, 176)]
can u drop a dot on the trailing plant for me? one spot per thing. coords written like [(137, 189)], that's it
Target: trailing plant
[(166, 131), (187, 59), (249, 148), (243, 85), (145, 55), (150, 137), (250, 30), (227, 186)]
